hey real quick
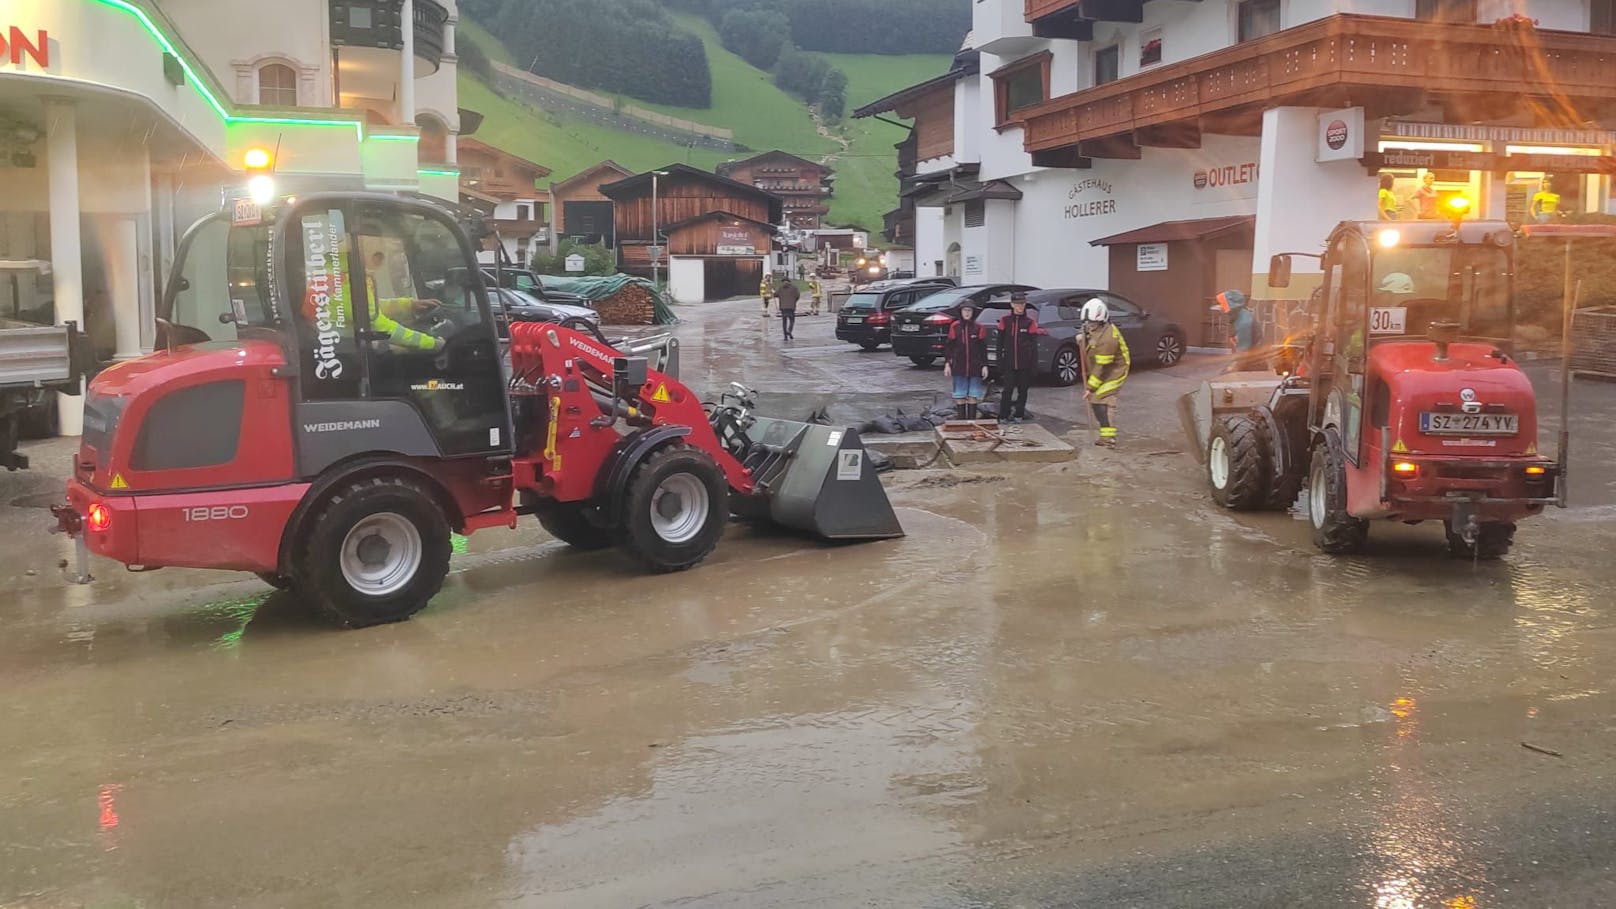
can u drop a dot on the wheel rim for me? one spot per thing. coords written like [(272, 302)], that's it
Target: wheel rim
[(1317, 497), (679, 508), (1168, 350), (1066, 366), (1218, 462), (381, 554)]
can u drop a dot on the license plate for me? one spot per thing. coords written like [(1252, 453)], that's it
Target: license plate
[(1465, 424), (909, 328), (855, 320), (993, 356)]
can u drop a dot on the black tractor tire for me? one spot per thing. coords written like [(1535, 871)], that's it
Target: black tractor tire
[(360, 525), (1492, 542), (660, 538), (570, 523), (1334, 531), (1238, 455), (277, 581), (1067, 368), (923, 362), (869, 345)]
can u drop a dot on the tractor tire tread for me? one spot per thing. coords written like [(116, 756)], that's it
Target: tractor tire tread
[(318, 574), (567, 522), (639, 540), (1337, 532), (1247, 488)]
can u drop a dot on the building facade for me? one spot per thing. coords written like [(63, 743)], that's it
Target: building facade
[(804, 186), (505, 188), (1091, 142), (122, 121), (714, 236), (579, 211)]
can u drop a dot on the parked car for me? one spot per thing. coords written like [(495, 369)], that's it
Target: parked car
[(529, 282), (1151, 341), (517, 306), (919, 330), (866, 316)]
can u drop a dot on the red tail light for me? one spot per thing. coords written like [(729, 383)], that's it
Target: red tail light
[(879, 318), (98, 517), (941, 318)]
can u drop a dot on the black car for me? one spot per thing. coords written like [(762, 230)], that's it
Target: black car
[(1151, 341), (866, 315), (919, 331), (516, 306)]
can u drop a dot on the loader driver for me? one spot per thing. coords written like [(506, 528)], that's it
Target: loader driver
[(386, 314), (1106, 361)]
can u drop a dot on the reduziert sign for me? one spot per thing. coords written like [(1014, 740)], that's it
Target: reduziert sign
[(17, 45)]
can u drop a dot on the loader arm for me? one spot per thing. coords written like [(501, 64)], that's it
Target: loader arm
[(589, 387)]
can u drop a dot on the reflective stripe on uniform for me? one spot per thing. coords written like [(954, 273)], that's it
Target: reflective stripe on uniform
[(1108, 432), (1108, 387), (1105, 359), (1094, 382)]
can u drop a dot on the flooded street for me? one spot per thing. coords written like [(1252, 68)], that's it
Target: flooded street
[(1075, 684)]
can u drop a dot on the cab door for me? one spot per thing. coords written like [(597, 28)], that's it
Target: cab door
[(1347, 296)]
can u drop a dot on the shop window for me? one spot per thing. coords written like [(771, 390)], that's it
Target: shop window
[(1602, 17), (277, 85), (976, 213), (1258, 18), (1107, 64), (1020, 85), (1445, 10)]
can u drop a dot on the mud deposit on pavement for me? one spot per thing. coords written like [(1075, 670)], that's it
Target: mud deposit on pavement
[(1076, 684)]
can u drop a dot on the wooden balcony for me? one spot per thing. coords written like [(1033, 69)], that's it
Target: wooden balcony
[(1392, 67), (1038, 9)]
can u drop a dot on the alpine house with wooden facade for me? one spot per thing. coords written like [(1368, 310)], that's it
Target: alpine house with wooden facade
[(1100, 142)]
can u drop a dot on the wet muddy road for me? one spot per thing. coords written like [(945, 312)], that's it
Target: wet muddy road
[(1070, 685)]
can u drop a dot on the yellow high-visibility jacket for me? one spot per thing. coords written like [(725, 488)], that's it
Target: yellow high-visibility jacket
[(384, 315), (1106, 361)]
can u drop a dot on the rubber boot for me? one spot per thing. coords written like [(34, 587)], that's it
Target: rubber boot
[(959, 411), (970, 411)]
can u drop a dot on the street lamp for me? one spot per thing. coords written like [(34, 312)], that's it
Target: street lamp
[(656, 230)]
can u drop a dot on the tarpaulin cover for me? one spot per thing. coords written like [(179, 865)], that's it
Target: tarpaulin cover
[(599, 288)]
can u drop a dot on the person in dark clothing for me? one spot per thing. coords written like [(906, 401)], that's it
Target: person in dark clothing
[(1018, 358), (788, 295), (965, 360)]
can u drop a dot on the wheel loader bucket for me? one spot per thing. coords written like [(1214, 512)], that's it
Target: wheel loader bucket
[(1232, 392), (816, 480)]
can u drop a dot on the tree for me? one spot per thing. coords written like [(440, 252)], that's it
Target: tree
[(755, 35), (598, 260), (833, 96)]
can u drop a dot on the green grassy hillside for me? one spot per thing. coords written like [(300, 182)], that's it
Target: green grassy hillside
[(745, 100)]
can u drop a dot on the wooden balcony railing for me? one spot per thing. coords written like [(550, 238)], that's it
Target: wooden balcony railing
[(1390, 66), (1037, 9)]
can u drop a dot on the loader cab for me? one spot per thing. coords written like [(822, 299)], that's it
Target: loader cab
[(380, 310), (1401, 282)]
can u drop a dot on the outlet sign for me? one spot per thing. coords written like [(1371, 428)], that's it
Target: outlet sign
[(17, 45)]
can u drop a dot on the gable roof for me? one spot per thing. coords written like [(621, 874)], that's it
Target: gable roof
[(585, 174), (729, 167), (475, 145), (642, 182)]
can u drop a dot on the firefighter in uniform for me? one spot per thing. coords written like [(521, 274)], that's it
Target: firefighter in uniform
[(816, 292), (766, 290), (1105, 363)]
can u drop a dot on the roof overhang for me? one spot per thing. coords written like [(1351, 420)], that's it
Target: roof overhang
[(1171, 231)]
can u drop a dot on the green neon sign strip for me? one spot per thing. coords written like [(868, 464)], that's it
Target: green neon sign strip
[(202, 88), (439, 173), (392, 138)]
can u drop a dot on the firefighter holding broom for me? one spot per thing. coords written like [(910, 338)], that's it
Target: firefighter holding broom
[(1105, 367)]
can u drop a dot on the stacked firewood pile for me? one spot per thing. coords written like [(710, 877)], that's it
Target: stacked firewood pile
[(633, 305)]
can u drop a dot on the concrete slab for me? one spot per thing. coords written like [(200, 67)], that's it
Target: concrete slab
[(907, 450), (986, 442)]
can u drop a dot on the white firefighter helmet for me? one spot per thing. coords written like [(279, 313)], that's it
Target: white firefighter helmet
[(1095, 310), (1396, 283)]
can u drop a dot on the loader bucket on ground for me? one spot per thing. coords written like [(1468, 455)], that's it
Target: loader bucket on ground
[(817, 480)]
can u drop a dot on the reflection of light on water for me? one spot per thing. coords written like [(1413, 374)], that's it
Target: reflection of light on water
[(1404, 710), (106, 801), (240, 611), (1552, 610)]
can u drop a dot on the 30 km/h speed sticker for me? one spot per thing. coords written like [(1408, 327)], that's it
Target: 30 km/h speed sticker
[(1388, 320)]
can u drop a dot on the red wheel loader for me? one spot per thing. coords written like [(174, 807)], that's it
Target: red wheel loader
[(368, 409), (1409, 406)]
